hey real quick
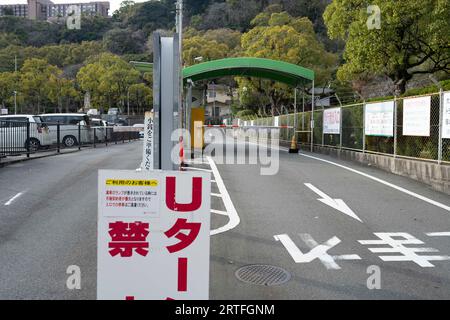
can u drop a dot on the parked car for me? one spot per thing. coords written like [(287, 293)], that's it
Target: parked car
[(14, 136), (142, 127), (100, 130), (69, 123)]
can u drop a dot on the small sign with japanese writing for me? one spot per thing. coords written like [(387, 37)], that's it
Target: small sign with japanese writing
[(153, 245)]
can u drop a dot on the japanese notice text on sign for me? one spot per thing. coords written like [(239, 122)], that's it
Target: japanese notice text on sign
[(153, 235)]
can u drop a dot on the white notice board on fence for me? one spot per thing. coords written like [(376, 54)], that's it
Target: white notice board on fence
[(379, 119), (446, 116), (416, 116), (153, 235), (332, 121)]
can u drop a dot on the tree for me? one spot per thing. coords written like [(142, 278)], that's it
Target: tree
[(232, 38), (61, 91), (107, 78), (35, 74), (412, 39), (279, 36), (92, 28), (8, 84), (125, 9), (141, 97), (149, 16), (234, 14), (124, 41), (199, 46)]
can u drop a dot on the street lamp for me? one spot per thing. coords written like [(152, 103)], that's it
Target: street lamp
[(128, 102)]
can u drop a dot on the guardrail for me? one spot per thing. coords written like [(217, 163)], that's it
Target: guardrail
[(27, 138)]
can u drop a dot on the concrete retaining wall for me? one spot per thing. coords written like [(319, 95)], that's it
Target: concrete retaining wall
[(432, 174)]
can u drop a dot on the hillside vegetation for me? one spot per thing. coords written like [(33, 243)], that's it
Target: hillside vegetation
[(56, 67)]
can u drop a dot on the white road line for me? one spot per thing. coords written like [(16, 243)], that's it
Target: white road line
[(216, 195), (195, 162), (214, 181), (438, 234), (223, 213), (198, 169), (413, 194), (232, 213), (13, 198)]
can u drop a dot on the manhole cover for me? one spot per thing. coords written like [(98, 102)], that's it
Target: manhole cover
[(263, 275)]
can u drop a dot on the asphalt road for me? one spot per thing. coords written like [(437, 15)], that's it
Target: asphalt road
[(50, 223), (53, 224), (282, 205)]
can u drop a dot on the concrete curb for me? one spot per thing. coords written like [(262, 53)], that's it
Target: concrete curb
[(437, 176), (33, 157), (39, 156)]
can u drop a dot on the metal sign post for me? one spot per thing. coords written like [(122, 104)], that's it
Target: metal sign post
[(166, 99)]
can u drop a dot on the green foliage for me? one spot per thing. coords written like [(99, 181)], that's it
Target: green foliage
[(92, 28), (410, 41), (124, 41), (148, 17), (234, 14), (107, 78), (35, 82), (430, 89), (8, 83), (279, 36), (58, 55), (198, 46), (245, 113), (141, 97), (30, 32)]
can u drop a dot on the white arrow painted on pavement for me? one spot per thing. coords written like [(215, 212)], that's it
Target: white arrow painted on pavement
[(337, 204)]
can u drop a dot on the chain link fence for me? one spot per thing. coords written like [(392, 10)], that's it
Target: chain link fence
[(427, 146)]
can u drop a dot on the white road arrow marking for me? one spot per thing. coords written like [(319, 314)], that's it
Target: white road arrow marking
[(13, 198), (337, 204)]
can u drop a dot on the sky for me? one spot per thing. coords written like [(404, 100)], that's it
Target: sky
[(115, 4)]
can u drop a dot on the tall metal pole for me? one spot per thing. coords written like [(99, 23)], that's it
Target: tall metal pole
[(295, 110), (303, 109), (214, 100), (441, 118), (15, 102), (312, 118), (15, 91), (128, 105), (395, 125), (179, 30)]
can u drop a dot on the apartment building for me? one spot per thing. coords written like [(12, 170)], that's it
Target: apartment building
[(47, 9)]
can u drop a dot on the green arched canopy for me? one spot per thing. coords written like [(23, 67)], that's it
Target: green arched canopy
[(284, 72), (280, 71)]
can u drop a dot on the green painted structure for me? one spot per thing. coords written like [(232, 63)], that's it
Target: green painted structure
[(280, 71)]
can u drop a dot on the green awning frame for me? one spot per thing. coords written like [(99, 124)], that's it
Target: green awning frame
[(142, 66), (279, 71)]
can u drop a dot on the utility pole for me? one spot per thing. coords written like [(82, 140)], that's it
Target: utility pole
[(179, 30), (15, 102), (15, 91), (128, 102)]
